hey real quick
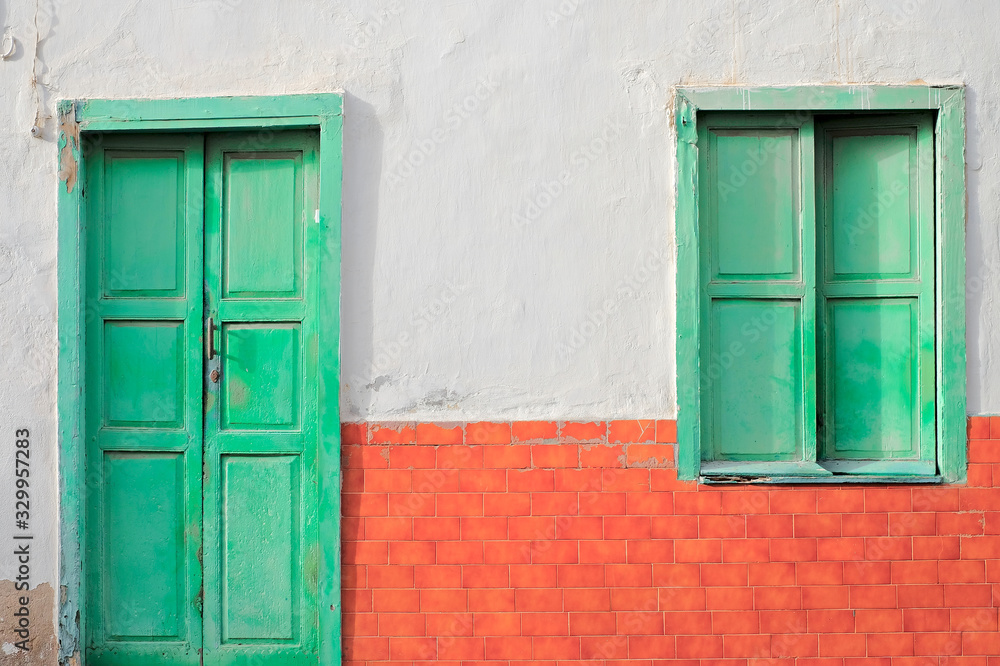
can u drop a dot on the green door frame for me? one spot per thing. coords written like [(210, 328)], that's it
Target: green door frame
[(948, 103), (81, 121)]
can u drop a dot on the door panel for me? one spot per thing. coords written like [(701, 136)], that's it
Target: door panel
[(202, 534), (261, 431), (143, 404)]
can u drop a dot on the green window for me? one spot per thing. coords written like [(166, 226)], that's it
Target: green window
[(816, 335)]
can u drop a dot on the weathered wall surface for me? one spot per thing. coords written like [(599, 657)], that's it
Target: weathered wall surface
[(508, 243)]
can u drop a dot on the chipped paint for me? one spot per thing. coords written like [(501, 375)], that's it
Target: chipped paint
[(42, 644), (69, 147)]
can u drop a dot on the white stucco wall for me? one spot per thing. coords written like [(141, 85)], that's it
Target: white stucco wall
[(508, 173)]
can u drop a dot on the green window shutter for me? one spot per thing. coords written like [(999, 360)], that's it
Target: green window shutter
[(876, 295), (757, 278)]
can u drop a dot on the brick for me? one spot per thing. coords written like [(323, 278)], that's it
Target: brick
[(482, 480), (439, 433), (444, 601), (651, 647), (354, 481), (735, 622), (978, 499), (825, 596), (666, 481), (416, 552), (890, 645), (702, 502), (648, 504), (485, 575), (979, 475), (487, 432), (507, 457), (920, 596), (729, 598), (972, 619), (666, 431), (888, 548), (873, 596), (507, 504), (401, 624), (912, 524), (640, 622), (845, 645), (743, 502), (936, 548), (794, 645), (874, 620), (555, 455), (497, 624), (533, 431), (459, 552), (961, 596), (628, 575), (531, 527), (769, 574), (674, 527), (967, 571), (533, 575), (602, 504), (733, 526), (579, 527), (968, 523), (352, 434), (507, 552), (483, 529), (701, 550), (556, 647), (627, 527), (507, 647), (917, 620), (676, 575), (358, 504), (916, 572), (625, 480), (746, 550), (366, 649), (731, 575), (410, 504), (817, 525), (531, 480), (867, 573), (460, 504), (586, 599), (583, 432), (980, 547), (793, 550), (819, 573), (427, 482), (627, 432), (699, 647), (840, 500), (796, 500), (865, 524), (769, 526), (366, 552), (681, 623), (554, 552), (577, 480), (978, 427), (602, 552), (356, 601), (436, 529), (360, 624), (555, 504), (843, 548), (437, 576), (412, 457), (650, 455), (454, 647), (533, 599), (648, 552), (603, 648), (390, 576), (783, 621), (935, 498), (777, 598), (740, 646), (939, 644), (602, 455), (682, 599), (888, 499), (390, 432), (460, 457), (592, 624), (830, 621), (354, 576), (580, 575), (486, 600)]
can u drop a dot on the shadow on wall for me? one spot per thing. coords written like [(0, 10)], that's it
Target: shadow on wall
[(363, 140)]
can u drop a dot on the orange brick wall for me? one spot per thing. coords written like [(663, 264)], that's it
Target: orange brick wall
[(549, 543)]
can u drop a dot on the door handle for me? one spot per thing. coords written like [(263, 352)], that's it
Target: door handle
[(209, 339)]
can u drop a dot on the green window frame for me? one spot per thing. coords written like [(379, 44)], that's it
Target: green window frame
[(81, 121), (796, 124)]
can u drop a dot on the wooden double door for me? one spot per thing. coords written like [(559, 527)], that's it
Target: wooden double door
[(201, 399)]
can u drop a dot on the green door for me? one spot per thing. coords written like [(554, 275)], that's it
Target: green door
[(201, 399)]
